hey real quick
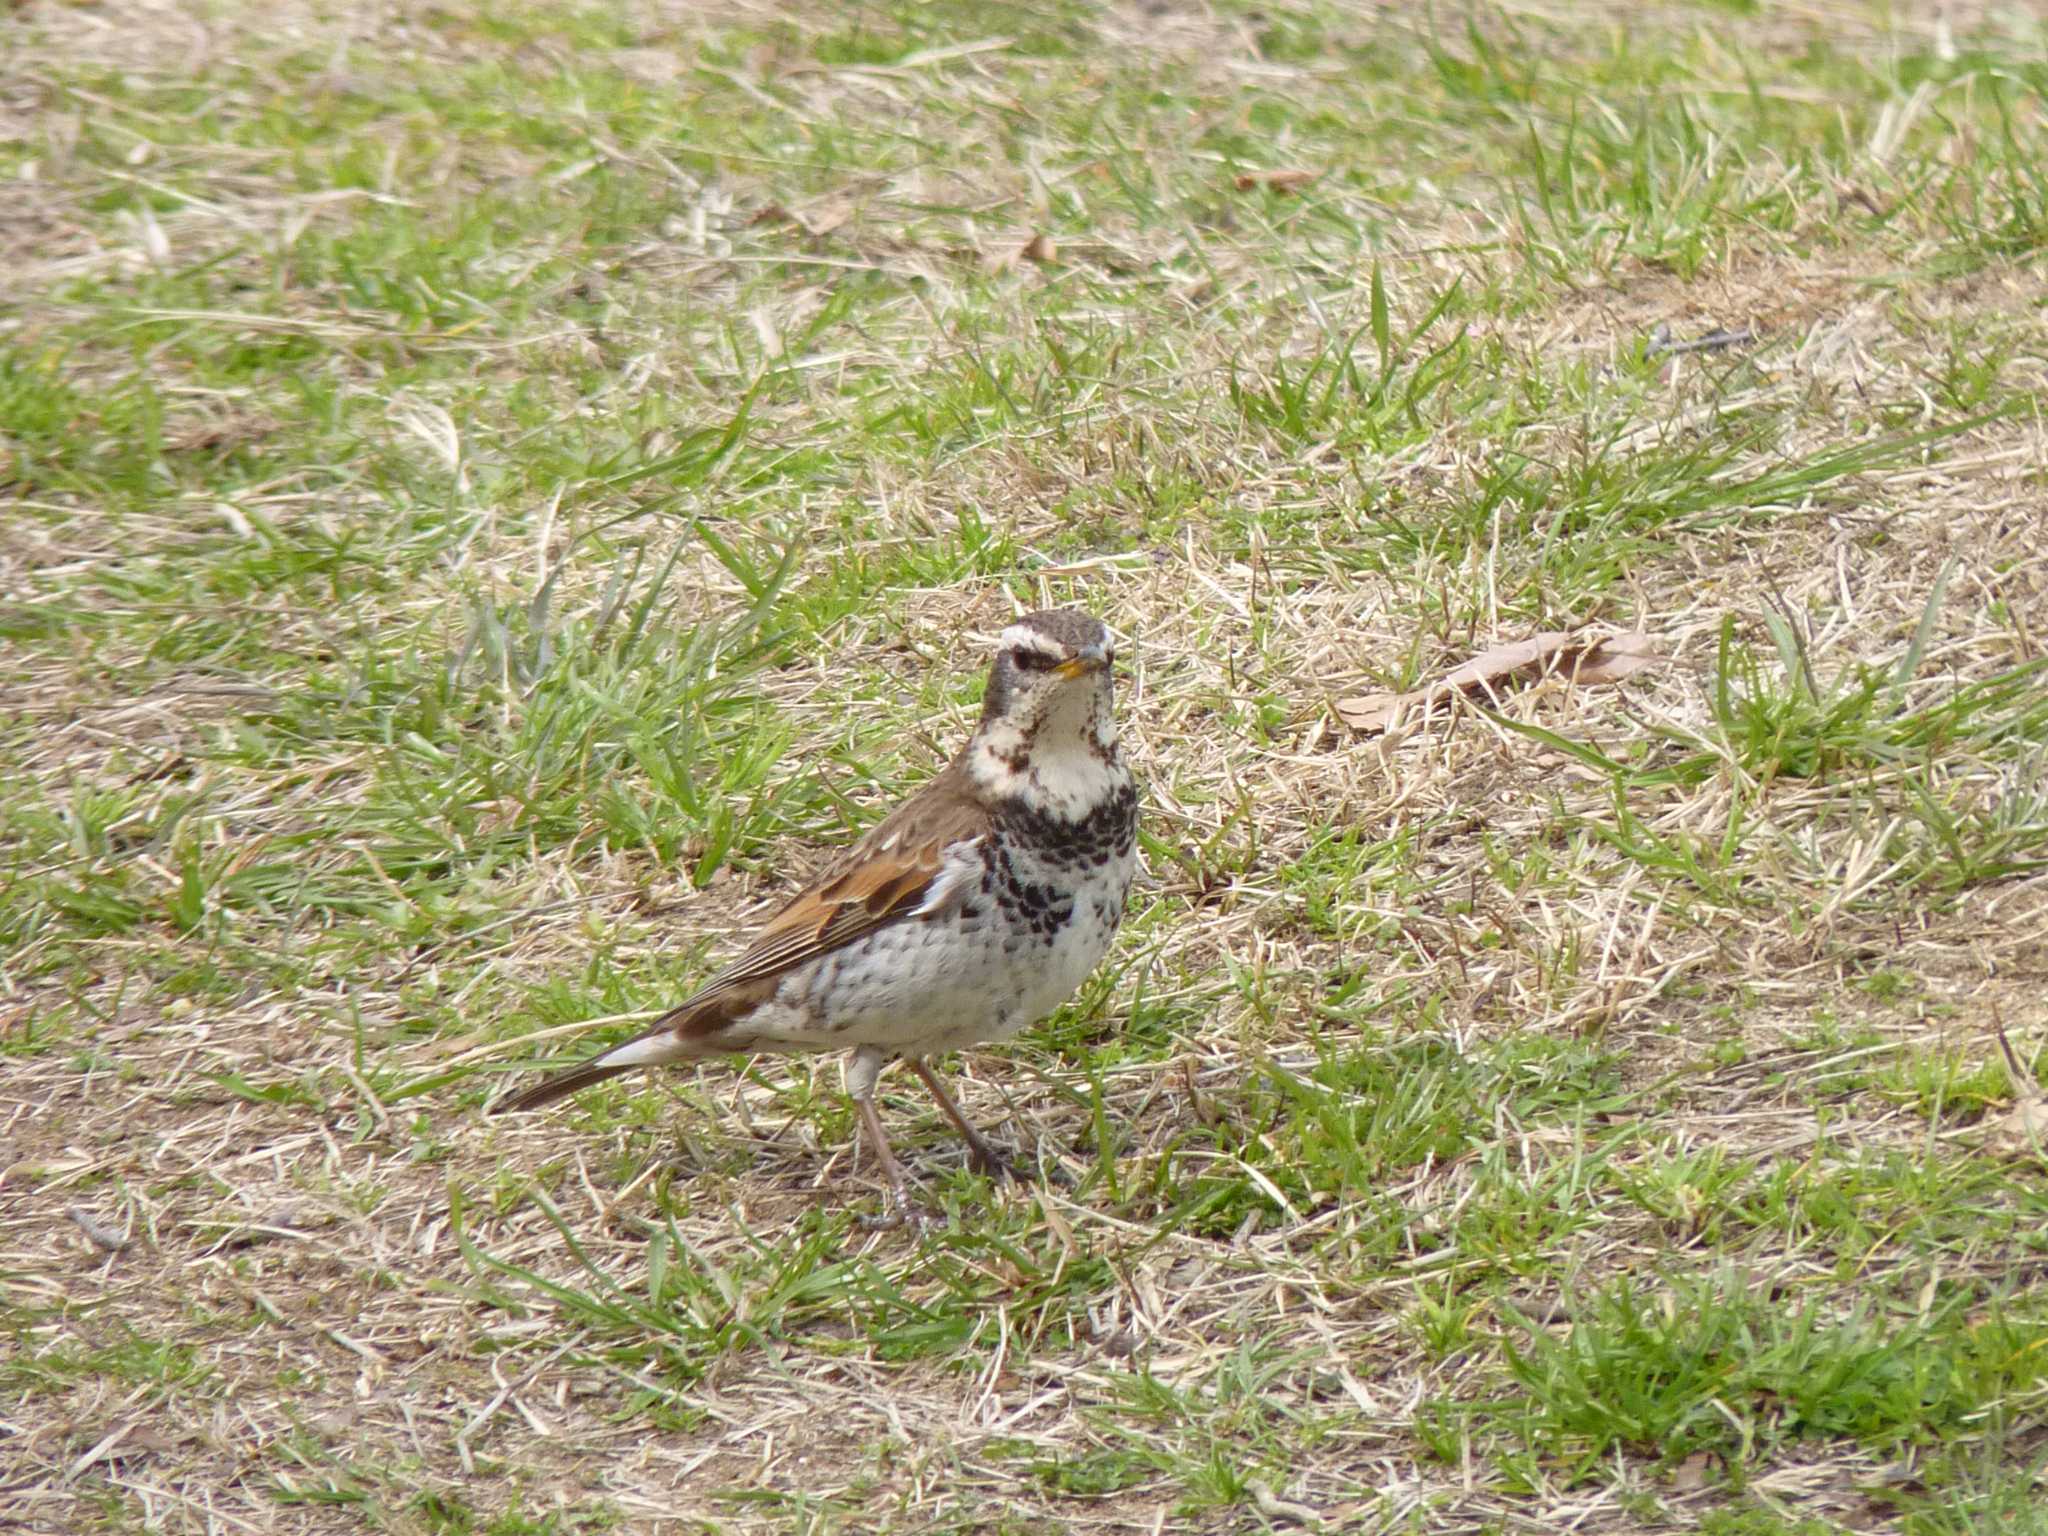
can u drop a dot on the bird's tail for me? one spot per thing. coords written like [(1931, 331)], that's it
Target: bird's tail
[(657, 1046)]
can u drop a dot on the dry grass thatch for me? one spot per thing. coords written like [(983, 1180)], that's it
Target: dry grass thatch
[(489, 496)]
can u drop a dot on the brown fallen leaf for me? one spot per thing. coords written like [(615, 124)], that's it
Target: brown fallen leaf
[(145, 1440), (1273, 1507), (224, 432), (2021, 1131), (1613, 658), (1604, 659), (1692, 1474), (1039, 248), (1279, 181), (819, 220)]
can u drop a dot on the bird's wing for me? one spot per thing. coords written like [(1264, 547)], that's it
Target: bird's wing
[(913, 865), (899, 870)]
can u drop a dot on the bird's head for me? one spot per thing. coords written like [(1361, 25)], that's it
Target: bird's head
[(1049, 698)]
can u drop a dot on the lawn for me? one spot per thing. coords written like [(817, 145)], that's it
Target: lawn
[(492, 495)]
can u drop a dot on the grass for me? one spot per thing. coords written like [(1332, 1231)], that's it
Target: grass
[(488, 500)]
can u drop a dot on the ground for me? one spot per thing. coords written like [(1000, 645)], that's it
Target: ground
[(491, 495)]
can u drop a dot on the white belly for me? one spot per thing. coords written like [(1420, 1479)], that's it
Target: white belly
[(928, 985)]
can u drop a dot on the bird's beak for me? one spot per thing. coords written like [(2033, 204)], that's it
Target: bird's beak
[(1092, 659)]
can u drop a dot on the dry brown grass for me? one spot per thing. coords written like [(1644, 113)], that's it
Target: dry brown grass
[(267, 1268)]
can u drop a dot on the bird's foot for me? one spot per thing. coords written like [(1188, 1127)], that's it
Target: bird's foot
[(901, 1211), (990, 1163)]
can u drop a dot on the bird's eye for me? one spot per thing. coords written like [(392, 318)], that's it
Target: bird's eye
[(1031, 659)]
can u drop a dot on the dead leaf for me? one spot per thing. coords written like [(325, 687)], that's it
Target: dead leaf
[(1612, 659), (129, 1441), (817, 221), (1690, 1475), (1278, 181), (1008, 258), (145, 1441), (103, 1237), (222, 433), (2021, 1131), (827, 216), (1061, 1227), (1273, 1507), (1604, 659)]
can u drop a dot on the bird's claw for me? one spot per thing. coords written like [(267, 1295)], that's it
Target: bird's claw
[(992, 1164), (901, 1211)]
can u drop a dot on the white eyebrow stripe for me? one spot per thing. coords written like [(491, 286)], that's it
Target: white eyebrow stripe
[(1023, 636)]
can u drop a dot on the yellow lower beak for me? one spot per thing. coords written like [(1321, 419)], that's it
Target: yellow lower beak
[(1080, 666)]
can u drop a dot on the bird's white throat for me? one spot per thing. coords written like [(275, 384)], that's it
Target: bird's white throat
[(1066, 764)]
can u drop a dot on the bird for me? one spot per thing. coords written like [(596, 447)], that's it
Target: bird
[(969, 913)]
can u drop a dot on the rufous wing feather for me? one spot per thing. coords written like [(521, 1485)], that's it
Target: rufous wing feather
[(887, 876)]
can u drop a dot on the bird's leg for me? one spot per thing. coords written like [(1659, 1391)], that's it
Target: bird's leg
[(860, 1082), (981, 1157), (900, 1209)]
